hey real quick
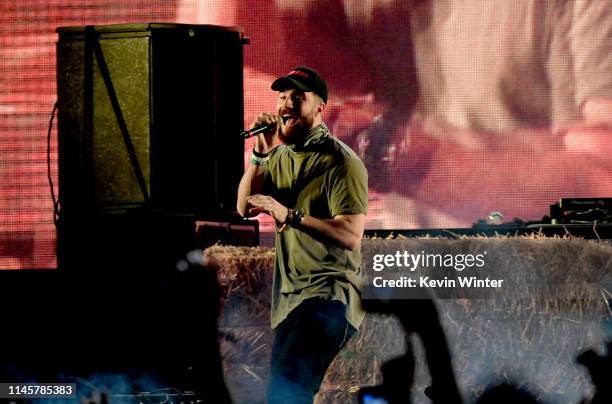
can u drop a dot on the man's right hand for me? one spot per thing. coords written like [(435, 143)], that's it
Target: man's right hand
[(265, 140)]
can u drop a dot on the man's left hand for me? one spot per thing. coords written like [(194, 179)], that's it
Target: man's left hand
[(266, 204)]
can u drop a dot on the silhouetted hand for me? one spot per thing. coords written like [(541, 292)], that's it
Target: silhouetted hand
[(600, 369), (96, 398)]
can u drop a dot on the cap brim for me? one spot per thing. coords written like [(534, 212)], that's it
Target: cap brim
[(285, 83)]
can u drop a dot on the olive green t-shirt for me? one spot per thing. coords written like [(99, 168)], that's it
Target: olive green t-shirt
[(323, 178)]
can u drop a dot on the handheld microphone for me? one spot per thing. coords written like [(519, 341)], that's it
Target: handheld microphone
[(256, 130)]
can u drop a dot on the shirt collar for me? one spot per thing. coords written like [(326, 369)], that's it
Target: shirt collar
[(314, 137)]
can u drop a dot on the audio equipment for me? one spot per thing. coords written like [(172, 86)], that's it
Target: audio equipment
[(147, 114)]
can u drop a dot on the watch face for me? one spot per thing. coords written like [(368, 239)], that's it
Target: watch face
[(296, 217), (299, 215)]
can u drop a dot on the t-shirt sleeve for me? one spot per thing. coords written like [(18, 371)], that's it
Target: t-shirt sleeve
[(348, 186)]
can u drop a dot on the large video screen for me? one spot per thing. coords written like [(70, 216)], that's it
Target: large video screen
[(458, 108)]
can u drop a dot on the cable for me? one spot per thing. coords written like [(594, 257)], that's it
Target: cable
[(55, 202)]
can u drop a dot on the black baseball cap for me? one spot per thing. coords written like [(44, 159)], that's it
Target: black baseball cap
[(304, 78)]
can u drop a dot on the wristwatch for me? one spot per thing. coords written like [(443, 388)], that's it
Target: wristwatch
[(294, 217)]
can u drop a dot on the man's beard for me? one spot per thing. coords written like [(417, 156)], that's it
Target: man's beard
[(296, 133), (299, 131), (293, 135)]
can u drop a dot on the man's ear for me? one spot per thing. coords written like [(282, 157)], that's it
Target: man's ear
[(321, 107)]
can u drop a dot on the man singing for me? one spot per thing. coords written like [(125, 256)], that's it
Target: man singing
[(316, 189)]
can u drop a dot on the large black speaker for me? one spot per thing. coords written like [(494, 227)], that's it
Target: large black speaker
[(149, 115)]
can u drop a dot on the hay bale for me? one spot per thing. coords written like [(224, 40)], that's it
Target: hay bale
[(530, 337), (245, 277)]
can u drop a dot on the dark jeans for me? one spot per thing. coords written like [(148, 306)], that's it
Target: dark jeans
[(305, 343)]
